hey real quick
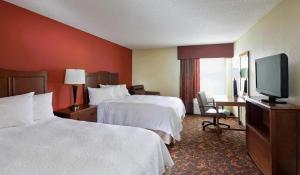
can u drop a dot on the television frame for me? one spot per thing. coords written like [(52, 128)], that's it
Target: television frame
[(284, 80)]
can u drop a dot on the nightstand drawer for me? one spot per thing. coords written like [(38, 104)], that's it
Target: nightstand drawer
[(87, 115), (84, 113)]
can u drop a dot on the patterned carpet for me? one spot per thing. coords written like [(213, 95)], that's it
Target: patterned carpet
[(202, 152)]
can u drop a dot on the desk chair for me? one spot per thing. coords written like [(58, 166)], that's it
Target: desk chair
[(209, 109)]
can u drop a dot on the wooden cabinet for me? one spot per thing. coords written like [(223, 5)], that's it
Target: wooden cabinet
[(272, 132), (85, 113)]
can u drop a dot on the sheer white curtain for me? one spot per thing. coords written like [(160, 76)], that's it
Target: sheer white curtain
[(213, 76)]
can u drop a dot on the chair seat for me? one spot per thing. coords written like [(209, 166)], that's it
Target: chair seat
[(221, 111)]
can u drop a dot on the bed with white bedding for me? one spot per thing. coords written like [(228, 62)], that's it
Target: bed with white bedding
[(116, 106), (62, 146), (33, 141), (157, 113)]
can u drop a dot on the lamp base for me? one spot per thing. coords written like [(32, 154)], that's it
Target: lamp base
[(75, 107)]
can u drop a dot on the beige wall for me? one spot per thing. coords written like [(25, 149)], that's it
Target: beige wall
[(277, 32), (157, 69)]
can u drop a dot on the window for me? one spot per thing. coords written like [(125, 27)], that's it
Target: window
[(213, 76)]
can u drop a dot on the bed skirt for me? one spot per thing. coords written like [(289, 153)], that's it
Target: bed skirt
[(167, 138)]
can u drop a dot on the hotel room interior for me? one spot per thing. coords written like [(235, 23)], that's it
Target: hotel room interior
[(129, 87)]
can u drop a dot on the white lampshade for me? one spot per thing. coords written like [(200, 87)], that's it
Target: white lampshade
[(75, 76)]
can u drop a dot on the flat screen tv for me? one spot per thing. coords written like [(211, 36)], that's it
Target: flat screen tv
[(272, 77)]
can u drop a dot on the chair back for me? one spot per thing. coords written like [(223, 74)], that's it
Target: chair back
[(138, 89), (202, 102)]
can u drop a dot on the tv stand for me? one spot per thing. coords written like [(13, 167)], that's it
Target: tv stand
[(273, 100), (272, 136)]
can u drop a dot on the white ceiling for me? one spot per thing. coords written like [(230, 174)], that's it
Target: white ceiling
[(141, 24)]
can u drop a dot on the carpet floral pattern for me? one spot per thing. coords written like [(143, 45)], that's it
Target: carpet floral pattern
[(203, 152)]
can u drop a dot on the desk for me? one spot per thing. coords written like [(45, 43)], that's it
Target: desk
[(222, 101)]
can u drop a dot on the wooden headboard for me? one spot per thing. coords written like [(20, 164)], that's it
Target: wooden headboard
[(20, 82), (94, 79)]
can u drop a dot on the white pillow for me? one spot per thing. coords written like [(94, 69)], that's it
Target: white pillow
[(123, 88), (16, 110), (117, 93), (116, 90), (42, 106), (98, 95)]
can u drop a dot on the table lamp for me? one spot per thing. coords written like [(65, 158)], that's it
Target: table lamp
[(75, 77)]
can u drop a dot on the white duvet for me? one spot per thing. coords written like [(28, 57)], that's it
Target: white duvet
[(145, 111), (67, 147)]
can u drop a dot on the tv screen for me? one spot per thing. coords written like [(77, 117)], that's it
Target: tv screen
[(272, 76)]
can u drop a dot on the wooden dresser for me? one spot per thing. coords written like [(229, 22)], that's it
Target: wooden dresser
[(272, 136)]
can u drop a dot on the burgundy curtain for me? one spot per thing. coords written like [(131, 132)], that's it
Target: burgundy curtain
[(189, 82)]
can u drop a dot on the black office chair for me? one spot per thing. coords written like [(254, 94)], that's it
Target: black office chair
[(209, 109)]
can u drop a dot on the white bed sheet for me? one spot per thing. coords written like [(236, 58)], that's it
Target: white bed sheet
[(63, 147), (145, 111)]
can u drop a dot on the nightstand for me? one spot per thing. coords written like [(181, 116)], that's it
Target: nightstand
[(84, 113)]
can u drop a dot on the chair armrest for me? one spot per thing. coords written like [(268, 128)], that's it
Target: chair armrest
[(152, 93), (212, 100), (137, 89), (209, 106)]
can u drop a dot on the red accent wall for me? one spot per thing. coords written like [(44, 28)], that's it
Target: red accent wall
[(32, 42)]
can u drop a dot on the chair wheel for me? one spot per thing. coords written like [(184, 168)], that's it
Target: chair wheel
[(203, 129)]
